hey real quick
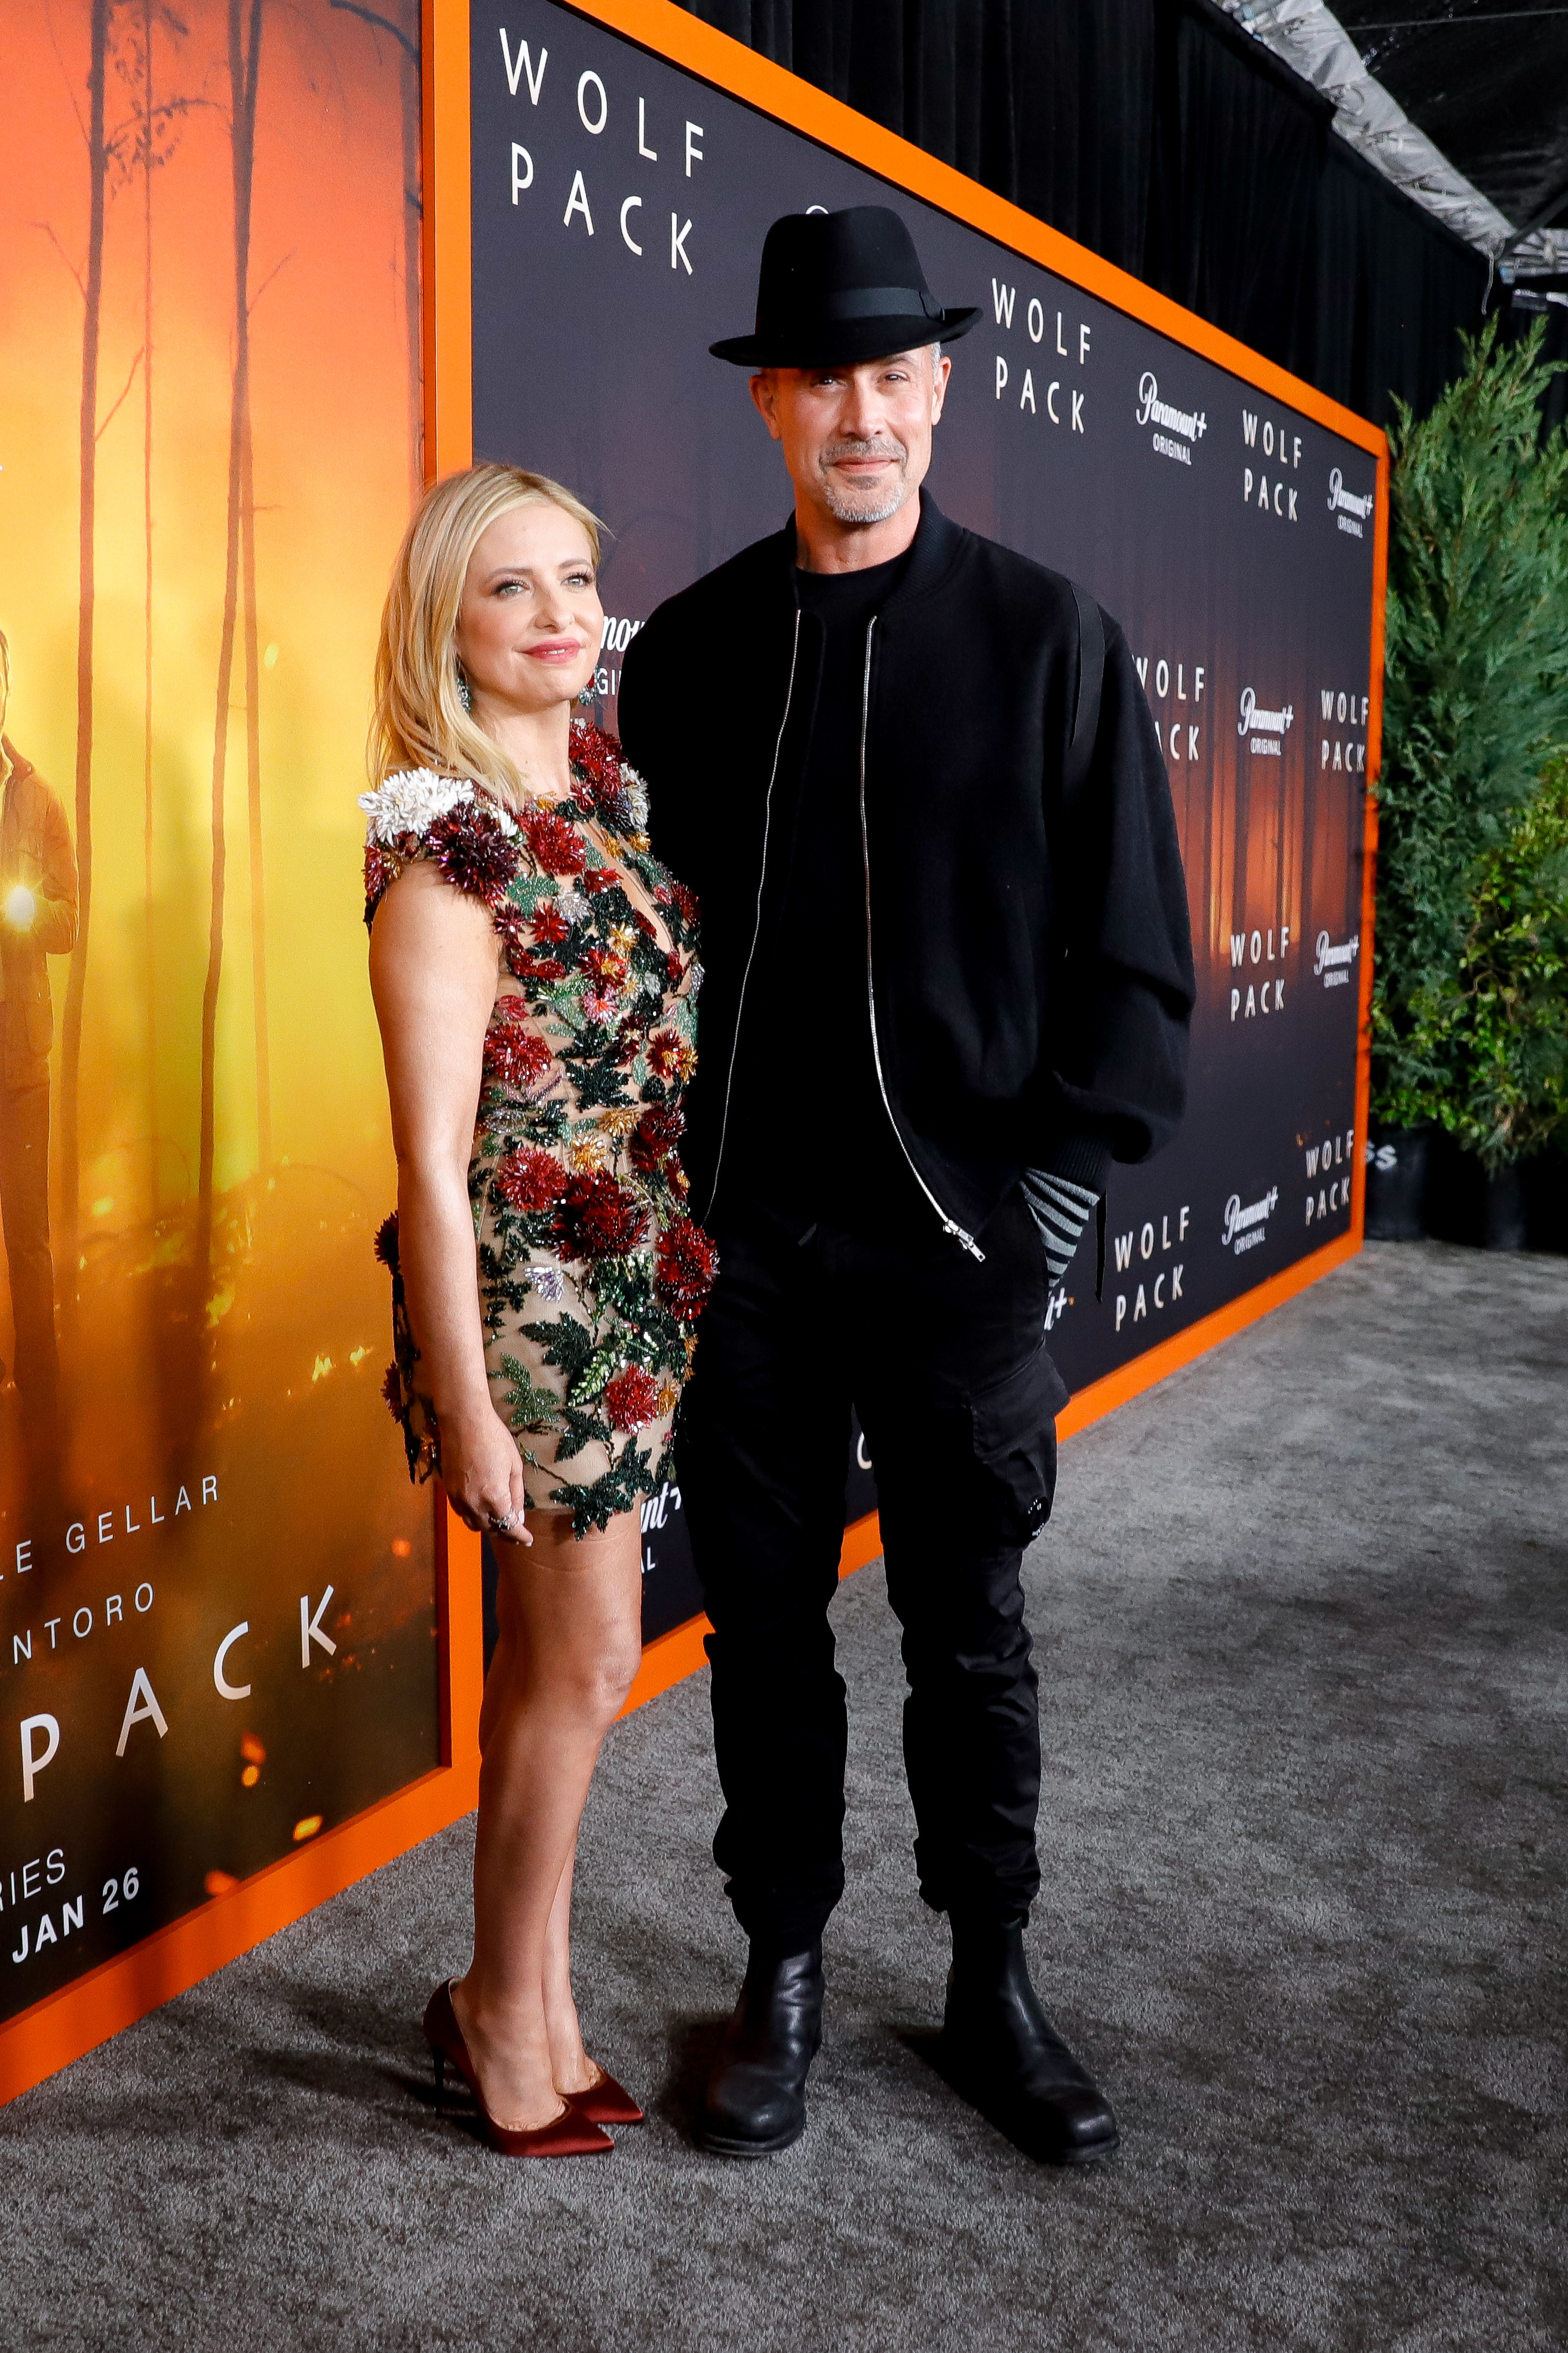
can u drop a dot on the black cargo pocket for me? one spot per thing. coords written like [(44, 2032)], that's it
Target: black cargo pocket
[(1015, 1425)]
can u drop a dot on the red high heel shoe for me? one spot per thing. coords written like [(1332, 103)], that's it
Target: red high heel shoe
[(606, 2102), (570, 2134)]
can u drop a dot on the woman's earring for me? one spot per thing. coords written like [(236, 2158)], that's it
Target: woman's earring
[(585, 694), (465, 692)]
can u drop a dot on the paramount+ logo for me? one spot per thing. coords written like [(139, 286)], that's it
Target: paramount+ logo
[(1266, 729), (1333, 959), (1350, 508), (1246, 1224), (618, 631), (1176, 430)]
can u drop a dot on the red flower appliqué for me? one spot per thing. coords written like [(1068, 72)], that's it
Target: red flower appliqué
[(516, 1056), (608, 966), (670, 1058), (548, 924), (684, 1269), (655, 1137), (473, 852), (600, 1217), (686, 899), (631, 1398), (529, 966), (599, 878), (377, 878), (554, 843), (530, 1179), (598, 757), (674, 967), (629, 1037)]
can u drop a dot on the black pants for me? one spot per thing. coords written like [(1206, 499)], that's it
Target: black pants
[(944, 1360)]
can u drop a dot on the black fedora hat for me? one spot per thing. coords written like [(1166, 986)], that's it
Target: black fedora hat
[(836, 289)]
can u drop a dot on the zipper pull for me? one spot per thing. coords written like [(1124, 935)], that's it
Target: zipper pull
[(970, 1244)]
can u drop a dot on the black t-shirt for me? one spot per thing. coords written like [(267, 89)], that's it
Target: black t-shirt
[(811, 1135)]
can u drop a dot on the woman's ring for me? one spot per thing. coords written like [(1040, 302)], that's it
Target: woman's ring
[(508, 1521)]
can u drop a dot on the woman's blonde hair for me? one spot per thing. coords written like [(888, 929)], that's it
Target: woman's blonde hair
[(419, 720)]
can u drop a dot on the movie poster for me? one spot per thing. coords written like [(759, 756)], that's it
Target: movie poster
[(217, 1597), (619, 209)]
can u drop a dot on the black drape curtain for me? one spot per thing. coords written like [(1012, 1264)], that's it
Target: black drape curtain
[(1164, 138)]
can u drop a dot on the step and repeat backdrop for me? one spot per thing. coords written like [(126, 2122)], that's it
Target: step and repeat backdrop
[(619, 208), (219, 1636)]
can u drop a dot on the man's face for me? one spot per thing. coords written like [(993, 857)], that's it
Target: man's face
[(857, 440)]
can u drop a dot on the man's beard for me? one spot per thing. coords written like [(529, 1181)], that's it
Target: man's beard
[(872, 503)]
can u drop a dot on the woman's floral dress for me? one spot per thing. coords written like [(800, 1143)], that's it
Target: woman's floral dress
[(592, 1273)]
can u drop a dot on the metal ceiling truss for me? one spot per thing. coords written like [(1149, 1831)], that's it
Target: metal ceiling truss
[(1310, 39)]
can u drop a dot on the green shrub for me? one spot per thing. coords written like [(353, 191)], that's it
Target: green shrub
[(1475, 703), (1500, 1036)]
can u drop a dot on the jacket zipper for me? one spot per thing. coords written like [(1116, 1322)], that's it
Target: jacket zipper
[(757, 924), (948, 1224)]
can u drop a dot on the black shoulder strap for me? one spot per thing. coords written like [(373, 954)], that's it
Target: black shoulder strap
[(1086, 715)]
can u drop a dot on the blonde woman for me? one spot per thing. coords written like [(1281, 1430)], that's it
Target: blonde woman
[(534, 971)]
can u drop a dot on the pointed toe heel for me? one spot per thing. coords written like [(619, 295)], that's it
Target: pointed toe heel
[(570, 2134), (607, 2102)]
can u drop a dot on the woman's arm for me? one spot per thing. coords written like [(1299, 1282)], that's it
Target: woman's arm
[(433, 975)]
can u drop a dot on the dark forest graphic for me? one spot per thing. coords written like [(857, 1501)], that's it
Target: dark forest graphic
[(209, 264)]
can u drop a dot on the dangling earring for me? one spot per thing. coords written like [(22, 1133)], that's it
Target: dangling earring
[(465, 692), (585, 694)]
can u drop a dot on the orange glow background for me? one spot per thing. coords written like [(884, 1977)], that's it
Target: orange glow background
[(271, 1381)]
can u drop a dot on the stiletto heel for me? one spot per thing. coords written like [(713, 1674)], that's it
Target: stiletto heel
[(607, 2102), (568, 2135)]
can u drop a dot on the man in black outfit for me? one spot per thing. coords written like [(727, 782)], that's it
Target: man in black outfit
[(949, 979)]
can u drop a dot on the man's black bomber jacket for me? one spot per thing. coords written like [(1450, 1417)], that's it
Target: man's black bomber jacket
[(1033, 976)]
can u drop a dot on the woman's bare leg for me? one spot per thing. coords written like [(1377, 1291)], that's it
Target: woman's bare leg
[(573, 1635), (503, 1661), (569, 2065)]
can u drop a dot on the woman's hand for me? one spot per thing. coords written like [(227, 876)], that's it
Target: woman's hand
[(481, 1471)]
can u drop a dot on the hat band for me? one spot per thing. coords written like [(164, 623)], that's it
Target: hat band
[(880, 303), (872, 302)]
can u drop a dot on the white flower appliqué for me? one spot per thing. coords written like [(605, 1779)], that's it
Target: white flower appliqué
[(412, 800), (637, 795)]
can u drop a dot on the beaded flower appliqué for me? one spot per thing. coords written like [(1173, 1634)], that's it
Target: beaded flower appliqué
[(592, 1271)]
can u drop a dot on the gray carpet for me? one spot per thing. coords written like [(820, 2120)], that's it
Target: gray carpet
[(1302, 1618)]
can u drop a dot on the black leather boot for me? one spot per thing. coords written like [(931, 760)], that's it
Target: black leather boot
[(1000, 2052), (755, 2101)]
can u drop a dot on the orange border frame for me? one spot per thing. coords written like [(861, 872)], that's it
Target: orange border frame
[(47, 2037)]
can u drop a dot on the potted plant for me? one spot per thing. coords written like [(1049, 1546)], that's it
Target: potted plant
[(1476, 702)]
